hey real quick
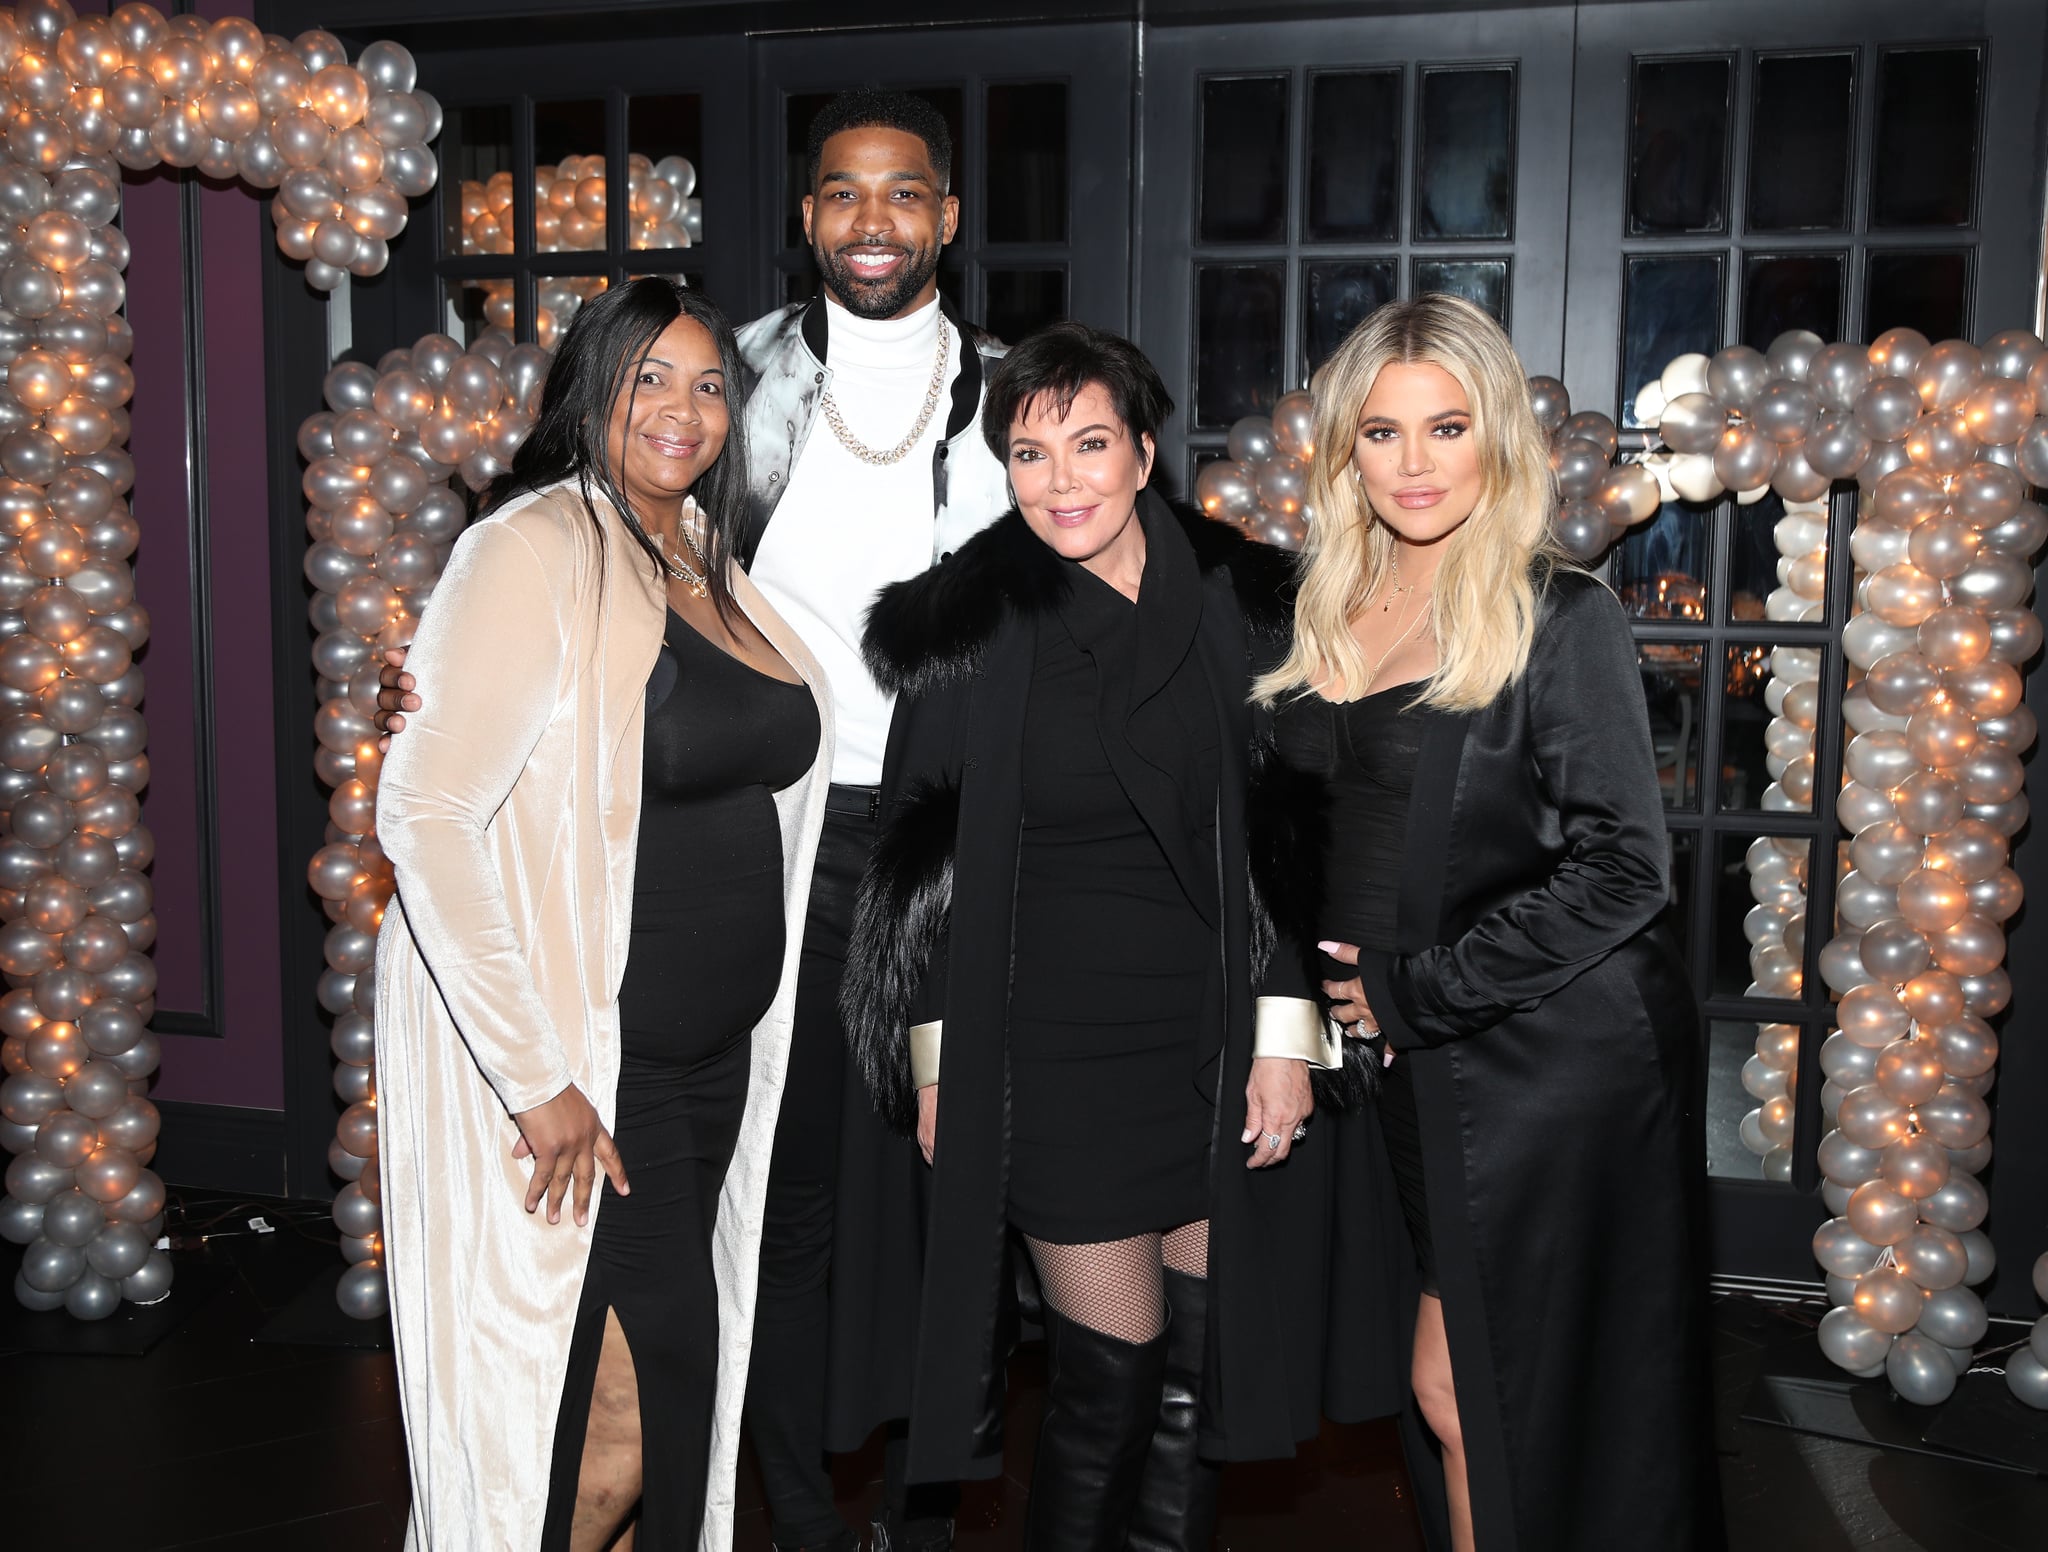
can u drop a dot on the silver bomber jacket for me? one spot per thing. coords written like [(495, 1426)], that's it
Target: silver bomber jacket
[(787, 373)]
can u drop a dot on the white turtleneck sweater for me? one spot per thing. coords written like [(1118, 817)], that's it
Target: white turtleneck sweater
[(845, 528)]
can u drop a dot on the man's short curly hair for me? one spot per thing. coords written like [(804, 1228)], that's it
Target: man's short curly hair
[(869, 108)]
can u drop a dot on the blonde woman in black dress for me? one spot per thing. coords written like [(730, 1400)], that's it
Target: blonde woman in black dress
[(1496, 864)]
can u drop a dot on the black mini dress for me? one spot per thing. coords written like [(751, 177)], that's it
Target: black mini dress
[(722, 738), (1366, 751), (1115, 986)]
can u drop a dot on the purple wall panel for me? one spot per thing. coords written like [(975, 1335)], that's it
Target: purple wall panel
[(245, 1065)]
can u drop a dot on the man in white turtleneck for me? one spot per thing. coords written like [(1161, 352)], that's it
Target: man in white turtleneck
[(867, 464), (847, 526)]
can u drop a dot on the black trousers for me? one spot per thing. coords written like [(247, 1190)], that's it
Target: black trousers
[(785, 1410)]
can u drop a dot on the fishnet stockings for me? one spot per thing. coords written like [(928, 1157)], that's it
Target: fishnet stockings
[(1114, 1286)]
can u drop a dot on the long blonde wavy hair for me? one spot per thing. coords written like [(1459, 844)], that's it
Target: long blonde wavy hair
[(1483, 610)]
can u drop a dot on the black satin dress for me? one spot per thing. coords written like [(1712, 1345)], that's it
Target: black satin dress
[(706, 957), (1115, 969), (1373, 746)]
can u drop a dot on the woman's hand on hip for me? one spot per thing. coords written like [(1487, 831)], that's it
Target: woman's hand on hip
[(568, 1146), (928, 1120), (1277, 1103), (395, 696), (1347, 1001)]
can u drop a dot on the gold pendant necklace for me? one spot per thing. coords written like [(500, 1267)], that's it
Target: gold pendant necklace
[(698, 581), (1394, 592), (896, 454)]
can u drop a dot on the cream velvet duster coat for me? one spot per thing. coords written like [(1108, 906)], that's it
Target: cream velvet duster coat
[(510, 808)]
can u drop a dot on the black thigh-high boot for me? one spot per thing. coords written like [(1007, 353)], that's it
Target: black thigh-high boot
[(1101, 1399), (1176, 1508)]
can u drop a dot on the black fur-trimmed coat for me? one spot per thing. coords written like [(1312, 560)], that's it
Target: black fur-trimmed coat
[(932, 940)]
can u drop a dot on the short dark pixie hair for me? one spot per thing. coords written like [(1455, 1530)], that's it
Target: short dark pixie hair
[(1060, 360), (867, 108)]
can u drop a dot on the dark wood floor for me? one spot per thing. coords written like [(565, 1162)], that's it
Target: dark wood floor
[(215, 1438)]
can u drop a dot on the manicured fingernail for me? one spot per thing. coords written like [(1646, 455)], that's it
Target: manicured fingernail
[(1327, 948)]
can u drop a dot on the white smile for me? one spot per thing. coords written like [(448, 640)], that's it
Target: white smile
[(874, 263)]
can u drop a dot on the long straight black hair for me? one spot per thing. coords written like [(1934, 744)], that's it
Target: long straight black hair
[(599, 359)]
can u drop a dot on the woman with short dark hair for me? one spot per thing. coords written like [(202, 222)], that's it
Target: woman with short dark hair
[(602, 816), (1063, 979)]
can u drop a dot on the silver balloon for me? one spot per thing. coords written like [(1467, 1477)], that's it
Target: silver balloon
[(361, 1292), (1736, 376), (2026, 1376), (1849, 1343), (50, 1268), (1919, 1370), (1792, 354), (1888, 1300), (151, 1283), (2010, 353), (1251, 439), (1933, 1257), (93, 1296), (1954, 1317), (1887, 409), (1838, 1248), (1980, 1257), (1692, 423), (1784, 411)]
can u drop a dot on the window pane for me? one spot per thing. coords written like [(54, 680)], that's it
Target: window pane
[(471, 306), (1020, 300), (1754, 872), (1669, 306), (1244, 160), (1766, 753), (1671, 673), (558, 298), (476, 170), (1924, 165), (568, 153), (1763, 538), (1660, 567), (1240, 315), (1026, 187), (1791, 291), (1465, 164), (1678, 146), (664, 146), (1483, 282), (798, 109), (1750, 1081), (1801, 125), (1678, 914), (1354, 157), (1337, 296), (1917, 290)]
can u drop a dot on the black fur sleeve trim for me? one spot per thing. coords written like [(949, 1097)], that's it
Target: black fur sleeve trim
[(900, 916)]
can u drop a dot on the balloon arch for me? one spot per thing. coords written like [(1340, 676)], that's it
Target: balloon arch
[(345, 146)]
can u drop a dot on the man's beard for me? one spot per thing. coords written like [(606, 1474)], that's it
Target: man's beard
[(872, 298)]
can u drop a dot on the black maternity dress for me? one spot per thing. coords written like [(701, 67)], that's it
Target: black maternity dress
[(706, 957), (1372, 746), (1117, 962)]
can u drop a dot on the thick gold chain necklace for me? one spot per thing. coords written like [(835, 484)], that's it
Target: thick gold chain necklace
[(896, 454)]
